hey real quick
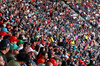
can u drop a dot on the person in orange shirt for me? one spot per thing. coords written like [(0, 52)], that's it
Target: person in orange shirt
[(43, 58)]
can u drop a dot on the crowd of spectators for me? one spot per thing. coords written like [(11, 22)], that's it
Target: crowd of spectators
[(47, 33), (88, 9)]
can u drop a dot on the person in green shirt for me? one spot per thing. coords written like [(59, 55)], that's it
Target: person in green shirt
[(14, 50), (22, 58)]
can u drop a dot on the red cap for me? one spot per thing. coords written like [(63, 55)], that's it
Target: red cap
[(3, 33), (1, 21), (84, 65), (8, 27), (37, 42), (0, 14), (12, 38), (80, 60), (41, 36), (48, 43), (52, 61), (9, 30), (42, 41)]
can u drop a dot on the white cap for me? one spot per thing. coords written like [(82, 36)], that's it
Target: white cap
[(29, 49)]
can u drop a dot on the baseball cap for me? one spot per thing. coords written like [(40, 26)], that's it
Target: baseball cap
[(37, 36), (29, 49), (53, 61), (0, 14), (62, 56), (13, 38), (84, 65), (23, 31), (42, 41), (3, 33), (48, 43), (4, 44), (1, 21), (20, 42), (26, 43), (80, 60), (41, 64), (14, 47), (5, 29)]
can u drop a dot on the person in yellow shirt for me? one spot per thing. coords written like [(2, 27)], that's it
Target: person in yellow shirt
[(72, 43), (86, 38), (50, 38)]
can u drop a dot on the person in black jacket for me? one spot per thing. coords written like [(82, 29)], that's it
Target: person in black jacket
[(4, 48)]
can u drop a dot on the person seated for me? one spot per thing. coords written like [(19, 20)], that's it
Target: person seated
[(14, 50), (2, 62), (22, 58)]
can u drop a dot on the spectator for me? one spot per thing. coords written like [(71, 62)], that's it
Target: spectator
[(2, 62), (43, 58), (42, 49), (14, 50), (30, 51), (5, 29), (2, 34), (48, 64), (21, 44), (4, 48), (13, 40), (64, 63), (26, 45), (52, 61), (4, 23), (22, 58), (91, 63), (66, 31), (16, 34)]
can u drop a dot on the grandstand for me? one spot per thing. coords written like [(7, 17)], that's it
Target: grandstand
[(50, 32)]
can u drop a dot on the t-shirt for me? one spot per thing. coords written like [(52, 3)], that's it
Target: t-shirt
[(86, 37), (72, 43), (10, 57), (40, 60), (13, 63)]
